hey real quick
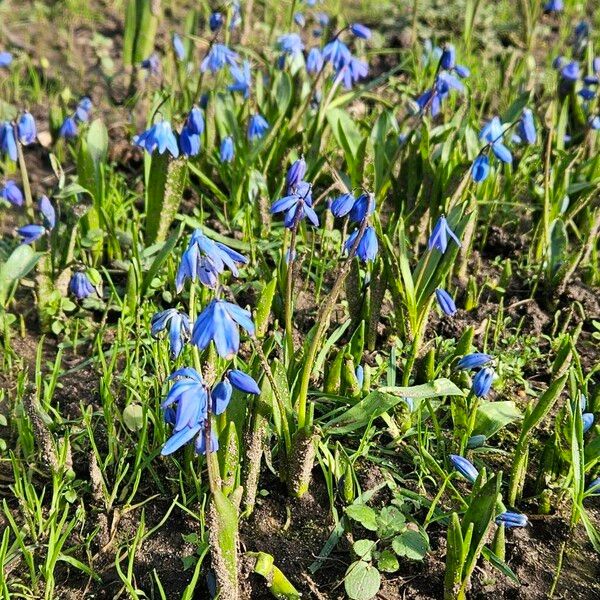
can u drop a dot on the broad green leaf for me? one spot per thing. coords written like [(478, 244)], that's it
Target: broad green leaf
[(263, 307), (21, 261), (364, 548), (493, 416), (362, 581), (412, 544), (364, 515), (390, 521), (133, 415), (387, 562)]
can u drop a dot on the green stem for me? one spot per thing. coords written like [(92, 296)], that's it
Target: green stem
[(24, 176)]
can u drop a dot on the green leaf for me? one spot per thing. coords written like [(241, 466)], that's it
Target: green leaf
[(263, 307), (412, 544), (161, 257), (364, 548), (500, 565), (381, 401), (364, 515), (493, 416), (362, 581), (387, 562), (390, 521), (133, 416), (21, 261)]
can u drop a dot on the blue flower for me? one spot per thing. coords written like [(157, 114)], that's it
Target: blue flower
[(439, 236), (342, 205), (362, 208), (219, 322), (220, 396), (8, 144), (433, 97), (368, 246), (465, 467), (159, 137), (243, 382), (569, 73), (337, 53), (48, 212), (554, 6), (511, 519), (448, 58), (69, 128), (360, 31), (178, 47), (473, 361), (189, 142), (295, 174), (297, 205), (299, 19), (314, 61), (218, 57), (31, 233), (290, 44), (322, 19), (178, 324), (226, 151), (5, 59), (216, 21), (492, 132), (349, 73), (588, 421), (595, 122), (359, 373), (151, 64), (242, 79), (12, 193), (205, 260), (482, 382), (26, 128), (80, 286), (445, 302), (257, 127), (481, 168), (83, 109), (587, 94), (195, 121), (526, 127)]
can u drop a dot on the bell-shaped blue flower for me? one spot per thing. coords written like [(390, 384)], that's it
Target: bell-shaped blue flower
[(337, 53), (295, 174), (445, 302), (350, 72), (69, 128), (448, 58), (290, 44), (80, 286), (526, 127), (8, 144), (314, 61), (482, 382), (159, 137), (189, 142), (219, 322), (227, 150), (243, 382), (481, 168), (362, 208), (31, 233), (178, 47), (554, 6), (200, 444), (296, 206), (242, 79), (27, 129), (342, 205), (440, 234), (588, 421), (195, 121), (368, 246), (465, 467), (151, 64), (218, 57), (83, 110), (492, 132), (12, 193), (473, 361), (6, 59), (45, 207), (257, 127), (220, 396), (216, 21), (511, 519), (177, 323), (360, 31)]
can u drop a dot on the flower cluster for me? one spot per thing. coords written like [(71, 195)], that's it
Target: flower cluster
[(24, 132), (70, 127), (33, 232), (483, 379)]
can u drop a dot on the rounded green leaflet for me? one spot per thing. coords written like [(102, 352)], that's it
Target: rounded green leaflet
[(411, 544), (362, 581)]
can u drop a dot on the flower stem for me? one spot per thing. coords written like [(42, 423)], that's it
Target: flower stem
[(24, 176)]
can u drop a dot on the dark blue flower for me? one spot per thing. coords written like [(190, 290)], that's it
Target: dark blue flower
[(257, 127), (218, 57), (360, 31), (481, 168), (526, 127), (31, 233), (337, 53), (200, 444), (296, 205), (83, 109), (314, 61), (462, 71), (216, 21), (473, 361), (554, 6), (362, 208), (69, 128), (5, 59), (12, 193), (48, 212), (205, 259), (342, 205), (159, 137), (220, 396), (290, 44), (493, 132), (226, 151), (27, 129), (243, 382), (465, 467), (448, 58), (368, 246), (482, 382), (588, 421), (151, 64), (177, 323), (242, 79), (295, 174), (8, 144), (80, 286), (439, 236), (189, 142), (178, 47), (445, 302), (219, 322), (569, 73), (511, 519), (195, 121)]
